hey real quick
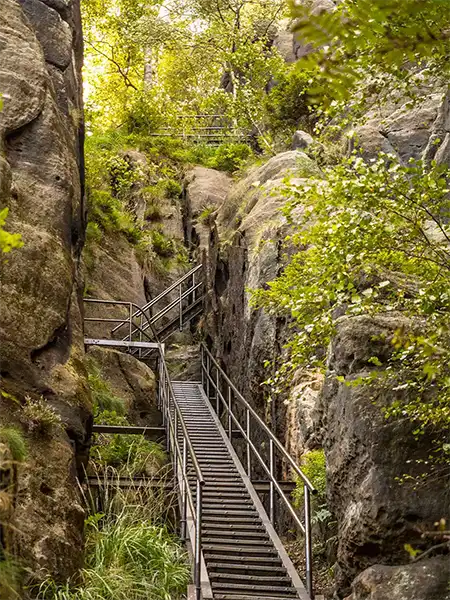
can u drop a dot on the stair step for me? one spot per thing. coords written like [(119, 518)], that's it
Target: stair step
[(234, 518), (263, 590), (231, 512), (225, 540), (230, 567), (251, 579), (214, 547), (231, 596), (210, 533), (251, 560), (243, 527)]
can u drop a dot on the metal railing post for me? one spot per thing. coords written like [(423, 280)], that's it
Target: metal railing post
[(208, 363), (198, 541), (131, 321), (249, 457), (181, 307), (174, 443), (202, 359), (308, 542), (140, 335), (230, 420), (271, 486), (217, 392), (184, 490)]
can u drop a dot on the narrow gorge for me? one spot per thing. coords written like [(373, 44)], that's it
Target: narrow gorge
[(224, 262)]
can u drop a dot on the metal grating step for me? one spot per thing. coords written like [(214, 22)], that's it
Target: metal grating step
[(240, 556)]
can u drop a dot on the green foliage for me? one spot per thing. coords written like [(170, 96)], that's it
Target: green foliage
[(207, 215), (39, 416), (162, 244), (8, 241), (365, 231), (102, 394), (13, 438), (130, 553), (287, 103), (129, 453), (230, 157), (367, 48), (314, 467), (173, 188), (10, 578)]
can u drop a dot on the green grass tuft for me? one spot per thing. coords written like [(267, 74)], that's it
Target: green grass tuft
[(13, 438)]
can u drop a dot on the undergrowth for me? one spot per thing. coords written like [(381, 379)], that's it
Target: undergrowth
[(130, 552)]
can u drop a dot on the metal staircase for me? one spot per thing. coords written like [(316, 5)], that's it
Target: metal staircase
[(230, 531), (243, 554)]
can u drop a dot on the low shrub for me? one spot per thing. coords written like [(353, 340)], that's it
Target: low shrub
[(130, 554), (130, 453), (102, 394), (162, 245), (230, 157), (314, 467)]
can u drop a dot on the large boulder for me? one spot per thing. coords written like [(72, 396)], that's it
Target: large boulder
[(368, 455), (423, 580), (41, 182), (205, 190)]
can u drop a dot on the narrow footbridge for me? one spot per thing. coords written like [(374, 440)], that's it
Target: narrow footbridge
[(225, 458)]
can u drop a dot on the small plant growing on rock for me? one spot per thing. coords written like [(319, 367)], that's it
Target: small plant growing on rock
[(153, 213), (206, 217), (14, 440), (39, 416)]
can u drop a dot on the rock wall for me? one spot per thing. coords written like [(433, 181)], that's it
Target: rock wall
[(41, 181), (243, 248)]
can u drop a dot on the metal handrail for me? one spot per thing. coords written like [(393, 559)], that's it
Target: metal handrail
[(170, 307), (175, 427), (163, 294), (274, 443)]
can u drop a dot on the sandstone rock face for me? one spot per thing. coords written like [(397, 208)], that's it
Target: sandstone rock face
[(405, 132), (251, 228), (205, 190), (424, 580), (367, 454), (132, 381), (40, 304)]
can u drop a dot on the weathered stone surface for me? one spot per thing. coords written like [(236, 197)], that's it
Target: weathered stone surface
[(369, 141), (252, 227), (132, 381), (301, 140), (205, 190), (367, 454), (53, 33), (40, 301), (424, 580)]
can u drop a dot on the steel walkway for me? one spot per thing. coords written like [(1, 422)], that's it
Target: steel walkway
[(235, 550), (244, 556)]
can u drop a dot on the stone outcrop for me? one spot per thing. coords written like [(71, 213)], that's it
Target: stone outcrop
[(423, 580), (41, 181), (419, 132), (243, 250), (368, 455)]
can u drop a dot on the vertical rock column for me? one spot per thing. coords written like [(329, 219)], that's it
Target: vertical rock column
[(41, 338)]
